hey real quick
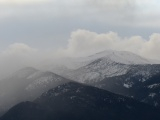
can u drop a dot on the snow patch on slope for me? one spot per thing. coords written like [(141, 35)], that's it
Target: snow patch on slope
[(127, 85), (43, 81), (98, 70), (153, 86), (152, 95)]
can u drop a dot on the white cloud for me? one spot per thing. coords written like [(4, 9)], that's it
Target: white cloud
[(18, 48), (151, 48), (16, 56), (83, 42)]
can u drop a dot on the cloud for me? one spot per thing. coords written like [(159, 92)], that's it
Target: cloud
[(126, 12), (84, 42), (114, 5), (20, 55), (133, 13), (16, 56), (14, 2), (81, 43), (151, 48), (113, 10), (19, 48)]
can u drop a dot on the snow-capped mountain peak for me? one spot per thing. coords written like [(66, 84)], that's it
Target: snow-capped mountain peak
[(104, 64), (107, 56), (123, 57)]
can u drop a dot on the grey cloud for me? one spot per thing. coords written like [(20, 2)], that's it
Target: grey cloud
[(122, 10), (112, 4)]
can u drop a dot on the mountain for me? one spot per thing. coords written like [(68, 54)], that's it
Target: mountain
[(123, 57), (120, 72), (26, 84), (141, 82), (75, 101), (100, 65)]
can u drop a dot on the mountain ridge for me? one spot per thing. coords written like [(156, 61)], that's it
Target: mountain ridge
[(26, 84), (81, 102)]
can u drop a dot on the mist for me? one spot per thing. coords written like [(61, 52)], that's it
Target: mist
[(80, 44)]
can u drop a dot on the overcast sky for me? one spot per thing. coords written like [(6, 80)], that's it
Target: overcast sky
[(30, 28)]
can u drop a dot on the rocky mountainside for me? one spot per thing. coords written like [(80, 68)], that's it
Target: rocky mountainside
[(74, 101), (141, 82)]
